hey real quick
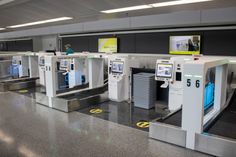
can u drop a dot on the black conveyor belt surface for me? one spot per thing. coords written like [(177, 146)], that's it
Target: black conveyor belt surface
[(174, 119), (226, 124)]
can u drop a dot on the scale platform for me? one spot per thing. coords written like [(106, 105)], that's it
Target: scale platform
[(42, 98), (17, 84), (75, 100)]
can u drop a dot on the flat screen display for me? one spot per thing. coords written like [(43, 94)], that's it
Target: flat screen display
[(117, 67), (164, 70), (107, 45), (64, 63), (185, 45)]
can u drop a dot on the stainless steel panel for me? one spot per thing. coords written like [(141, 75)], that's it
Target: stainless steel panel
[(17, 84), (42, 98), (76, 104), (3, 88), (5, 68), (167, 133), (21, 85), (215, 145)]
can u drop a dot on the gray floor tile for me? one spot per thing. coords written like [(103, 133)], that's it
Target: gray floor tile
[(31, 130)]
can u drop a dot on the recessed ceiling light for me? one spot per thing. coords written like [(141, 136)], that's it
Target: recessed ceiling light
[(161, 4), (41, 22), (139, 7), (1, 29), (178, 2), (2, 2)]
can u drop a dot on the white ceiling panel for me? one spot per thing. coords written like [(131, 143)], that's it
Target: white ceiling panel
[(24, 11)]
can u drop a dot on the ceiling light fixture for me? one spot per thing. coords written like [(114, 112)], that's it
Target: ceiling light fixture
[(1, 29), (177, 2), (139, 7), (2, 2), (155, 5), (41, 22)]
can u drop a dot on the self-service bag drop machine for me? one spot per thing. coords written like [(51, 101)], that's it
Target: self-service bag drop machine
[(23, 71), (75, 95)]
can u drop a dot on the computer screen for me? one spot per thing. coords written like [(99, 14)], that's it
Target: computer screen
[(164, 70), (64, 63), (117, 67)]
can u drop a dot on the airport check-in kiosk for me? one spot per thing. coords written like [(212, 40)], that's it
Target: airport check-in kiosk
[(170, 72), (119, 77)]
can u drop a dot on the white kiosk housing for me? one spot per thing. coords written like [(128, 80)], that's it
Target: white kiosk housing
[(119, 77), (193, 106), (171, 71), (41, 64), (195, 118)]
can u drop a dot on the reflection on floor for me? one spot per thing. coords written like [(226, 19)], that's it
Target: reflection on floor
[(30, 92), (28, 129), (118, 112), (124, 113)]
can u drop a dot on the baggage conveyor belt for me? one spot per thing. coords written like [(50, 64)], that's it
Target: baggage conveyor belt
[(225, 124), (219, 135), (172, 119), (81, 99), (168, 129), (42, 98)]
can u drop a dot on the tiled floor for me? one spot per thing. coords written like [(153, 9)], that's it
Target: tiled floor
[(31, 130)]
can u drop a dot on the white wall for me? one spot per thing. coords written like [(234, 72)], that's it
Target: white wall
[(49, 42), (37, 44)]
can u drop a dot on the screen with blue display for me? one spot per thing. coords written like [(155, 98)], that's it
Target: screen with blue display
[(117, 67)]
